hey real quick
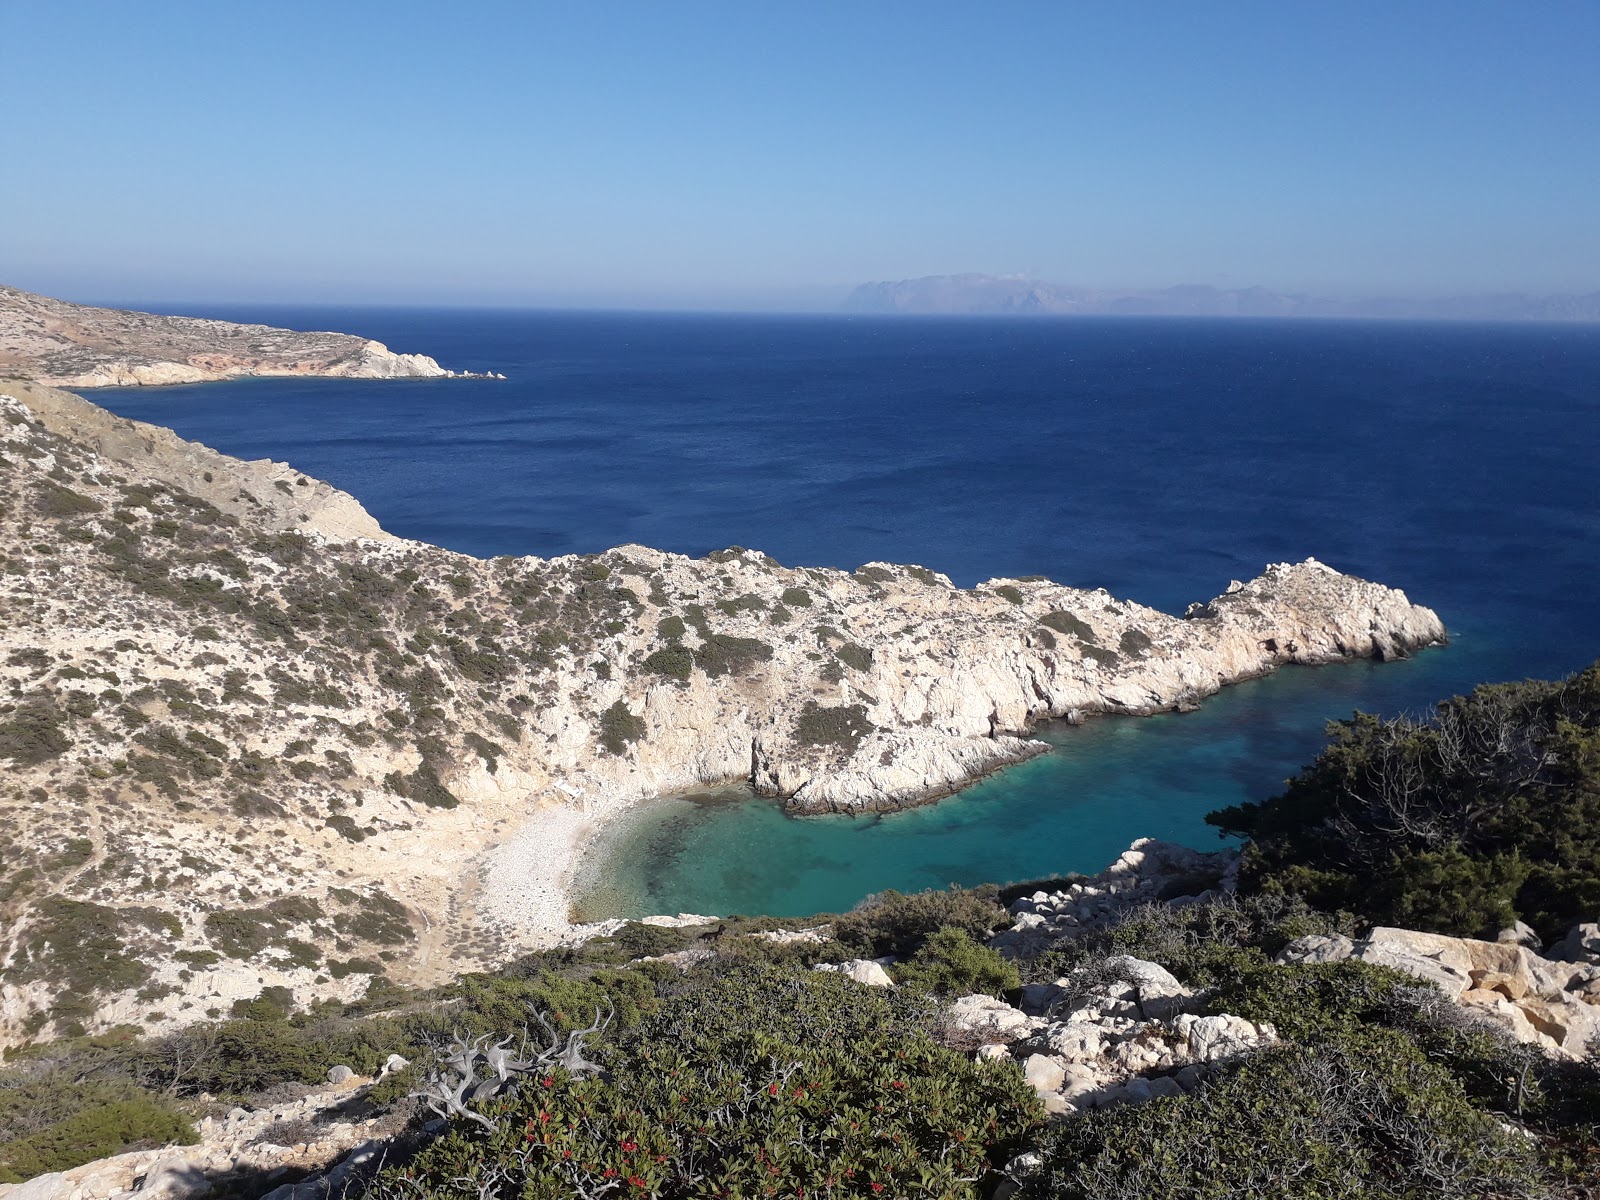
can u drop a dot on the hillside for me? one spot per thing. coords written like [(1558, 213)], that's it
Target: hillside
[(75, 345), (252, 741)]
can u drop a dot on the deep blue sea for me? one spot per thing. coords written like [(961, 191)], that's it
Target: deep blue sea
[(1158, 458)]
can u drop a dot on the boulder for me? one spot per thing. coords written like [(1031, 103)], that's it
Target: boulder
[(340, 1074), (995, 1020), (1044, 1073), (862, 970), (1581, 945), (1317, 947), (1520, 934), (1156, 990), (51, 1186), (1208, 1039)]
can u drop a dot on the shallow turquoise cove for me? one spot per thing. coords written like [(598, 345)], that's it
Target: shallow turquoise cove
[(1076, 809)]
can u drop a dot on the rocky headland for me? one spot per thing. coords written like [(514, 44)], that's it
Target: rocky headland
[(75, 345), (252, 741)]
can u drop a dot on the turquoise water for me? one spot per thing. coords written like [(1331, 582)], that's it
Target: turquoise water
[(1158, 459), (1076, 809)]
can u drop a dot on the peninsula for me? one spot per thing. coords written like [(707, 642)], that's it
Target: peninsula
[(251, 739), (74, 345)]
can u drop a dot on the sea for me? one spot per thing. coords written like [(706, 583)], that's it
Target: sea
[(1159, 458)]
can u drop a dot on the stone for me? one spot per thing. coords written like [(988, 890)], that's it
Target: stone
[(51, 1186), (862, 970), (992, 1052), (1157, 991), (1581, 944), (175, 1179), (1209, 1039), (395, 1062), (340, 1074), (1044, 1073), (984, 1016), (1315, 948), (1520, 934)]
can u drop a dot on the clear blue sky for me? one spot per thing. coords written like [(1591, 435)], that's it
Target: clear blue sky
[(772, 155)]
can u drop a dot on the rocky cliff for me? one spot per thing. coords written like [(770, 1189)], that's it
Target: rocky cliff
[(251, 740), (75, 345)]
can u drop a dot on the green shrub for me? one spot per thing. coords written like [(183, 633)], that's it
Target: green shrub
[(1012, 595), (896, 923), (1361, 1119), (857, 658), (1487, 812), (951, 963), (751, 1082), (33, 733), (675, 662), (620, 727), (796, 597), (724, 654), (1135, 643), (93, 1133), (671, 628), (841, 725), (1064, 622)]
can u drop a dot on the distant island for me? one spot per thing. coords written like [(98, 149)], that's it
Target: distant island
[(61, 344), (1022, 295)]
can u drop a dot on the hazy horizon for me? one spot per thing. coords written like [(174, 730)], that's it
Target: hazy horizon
[(714, 157)]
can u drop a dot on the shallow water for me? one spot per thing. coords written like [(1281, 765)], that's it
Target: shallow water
[(1155, 458)]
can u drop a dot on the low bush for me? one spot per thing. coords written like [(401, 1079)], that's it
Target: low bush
[(1360, 1119), (899, 924), (754, 1083), (93, 1133), (951, 963)]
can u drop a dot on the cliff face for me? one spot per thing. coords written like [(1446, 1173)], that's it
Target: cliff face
[(74, 345), (251, 740)]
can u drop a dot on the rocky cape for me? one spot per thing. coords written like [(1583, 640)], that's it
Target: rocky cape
[(75, 345), (252, 740)]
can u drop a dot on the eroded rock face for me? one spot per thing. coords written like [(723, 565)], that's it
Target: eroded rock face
[(75, 345), (1555, 1005), (258, 726)]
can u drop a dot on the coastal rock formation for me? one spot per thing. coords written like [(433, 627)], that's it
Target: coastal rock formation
[(251, 741), (75, 345)]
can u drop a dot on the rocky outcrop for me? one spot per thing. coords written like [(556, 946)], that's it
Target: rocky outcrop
[(1114, 1034), (1554, 1005), (245, 726), (1146, 872), (74, 345)]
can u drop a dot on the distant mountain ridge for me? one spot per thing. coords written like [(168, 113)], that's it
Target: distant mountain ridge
[(1022, 295)]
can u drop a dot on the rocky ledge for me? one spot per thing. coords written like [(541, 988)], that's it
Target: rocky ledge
[(76, 345), (251, 740)]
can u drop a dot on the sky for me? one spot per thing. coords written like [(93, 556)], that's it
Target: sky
[(770, 156)]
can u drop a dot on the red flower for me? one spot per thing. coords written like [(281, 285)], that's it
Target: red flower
[(548, 1081), (636, 1180), (630, 1146), (877, 1187), (773, 1090), (544, 1118)]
